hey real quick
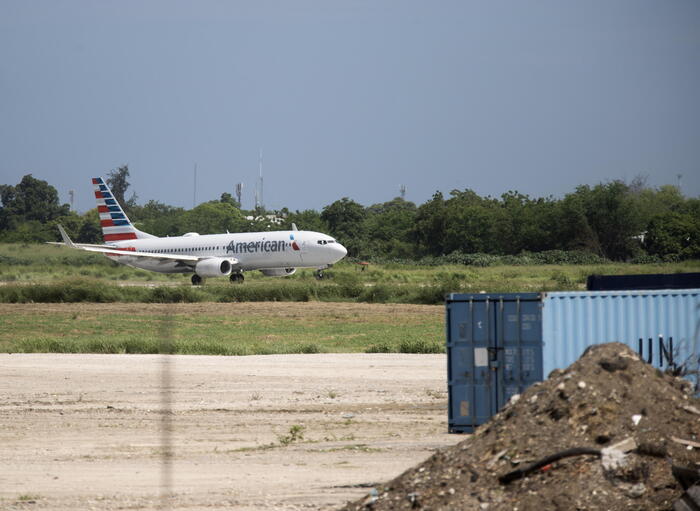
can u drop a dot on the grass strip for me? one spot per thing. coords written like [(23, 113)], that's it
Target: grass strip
[(221, 334)]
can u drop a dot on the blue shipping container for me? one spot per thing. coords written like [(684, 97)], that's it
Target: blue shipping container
[(494, 350), (572, 321), (499, 344)]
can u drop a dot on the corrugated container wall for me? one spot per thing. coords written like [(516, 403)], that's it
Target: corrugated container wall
[(494, 350), (572, 321), (499, 344)]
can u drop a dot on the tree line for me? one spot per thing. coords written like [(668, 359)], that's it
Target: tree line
[(614, 220)]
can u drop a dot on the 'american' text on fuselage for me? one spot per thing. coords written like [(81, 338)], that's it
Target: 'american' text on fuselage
[(256, 246)]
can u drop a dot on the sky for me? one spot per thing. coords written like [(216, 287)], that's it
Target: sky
[(349, 99)]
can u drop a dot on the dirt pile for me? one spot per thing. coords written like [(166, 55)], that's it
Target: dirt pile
[(609, 400)]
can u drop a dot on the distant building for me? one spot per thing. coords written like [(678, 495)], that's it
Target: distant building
[(271, 219)]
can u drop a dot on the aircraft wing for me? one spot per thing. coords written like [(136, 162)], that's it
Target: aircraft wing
[(132, 253), (75, 245), (189, 260)]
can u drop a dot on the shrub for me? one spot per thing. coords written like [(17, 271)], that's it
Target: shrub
[(309, 348), (647, 259), (378, 293), (349, 285), (176, 294), (381, 347), (421, 346)]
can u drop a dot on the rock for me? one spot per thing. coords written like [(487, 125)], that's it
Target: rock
[(612, 459), (614, 364), (626, 445), (691, 409), (637, 490), (658, 450), (413, 499)]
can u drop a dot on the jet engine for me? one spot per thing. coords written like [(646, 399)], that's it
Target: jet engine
[(278, 272), (213, 267)]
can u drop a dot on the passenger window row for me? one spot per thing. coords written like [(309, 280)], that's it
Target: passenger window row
[(181, 250)]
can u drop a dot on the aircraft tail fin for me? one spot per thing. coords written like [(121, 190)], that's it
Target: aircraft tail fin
[(116, 226)]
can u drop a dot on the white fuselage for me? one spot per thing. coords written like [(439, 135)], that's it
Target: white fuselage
[(253, 250)]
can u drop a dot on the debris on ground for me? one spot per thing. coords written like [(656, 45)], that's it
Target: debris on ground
[(601, 435)]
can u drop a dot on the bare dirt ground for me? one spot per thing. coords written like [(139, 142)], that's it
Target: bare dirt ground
[(281, 309), (261, 432)]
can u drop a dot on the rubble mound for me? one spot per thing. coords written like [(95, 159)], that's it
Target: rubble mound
[(620, 423)]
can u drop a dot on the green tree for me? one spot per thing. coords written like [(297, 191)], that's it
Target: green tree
[(157, 218), (307, 220), (211, 218), (573, 232), (83, 228), (615, 217), (674, 234), (530, 224), (117, 181), (90, 230), (31, 199), (388, 229), (227, 198), (345, 219), (428, 232), (28, 208), (474, 224)]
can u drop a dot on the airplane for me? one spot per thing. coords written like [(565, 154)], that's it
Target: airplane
[(275, 253)]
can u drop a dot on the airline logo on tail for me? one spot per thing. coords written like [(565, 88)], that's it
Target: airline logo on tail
[(115, 224)]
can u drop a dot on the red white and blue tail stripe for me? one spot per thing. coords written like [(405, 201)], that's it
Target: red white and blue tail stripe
[(116, 226)]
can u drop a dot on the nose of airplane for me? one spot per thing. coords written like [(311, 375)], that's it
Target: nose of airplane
[(342, 251)]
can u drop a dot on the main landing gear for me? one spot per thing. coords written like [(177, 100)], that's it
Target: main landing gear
[(237, 278), (319, 274), (196, 280)]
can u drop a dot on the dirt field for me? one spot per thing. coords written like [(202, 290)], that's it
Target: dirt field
[(260, 432), (278, 309)]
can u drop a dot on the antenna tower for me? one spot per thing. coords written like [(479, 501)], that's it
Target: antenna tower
[(679, 176), (71, 194), (194, 192), (260, 162), (239, 192), (402, 190)]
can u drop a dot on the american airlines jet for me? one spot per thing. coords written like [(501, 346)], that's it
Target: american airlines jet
[(275, 254)]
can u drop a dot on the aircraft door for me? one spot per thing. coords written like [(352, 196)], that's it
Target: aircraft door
[(305, 246)]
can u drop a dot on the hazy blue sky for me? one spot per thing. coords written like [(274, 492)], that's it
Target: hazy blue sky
[(349, 98)]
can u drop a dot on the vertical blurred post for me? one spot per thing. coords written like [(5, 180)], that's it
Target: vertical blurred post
[(166, 350)]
